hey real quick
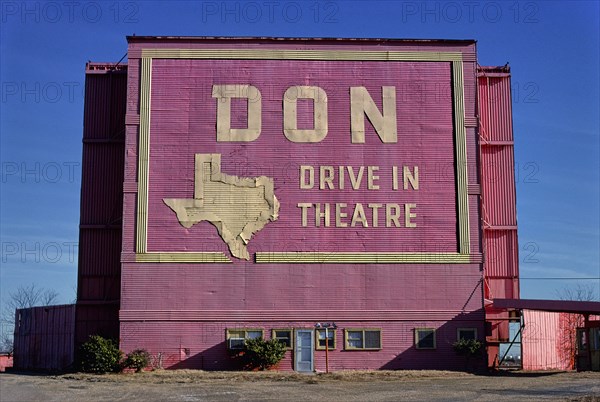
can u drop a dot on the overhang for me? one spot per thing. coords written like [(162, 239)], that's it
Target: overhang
[(562, 306)]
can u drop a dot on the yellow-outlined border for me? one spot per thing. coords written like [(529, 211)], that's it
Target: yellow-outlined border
[(143, 156), (362, 257), (284, 54), (460, 145)]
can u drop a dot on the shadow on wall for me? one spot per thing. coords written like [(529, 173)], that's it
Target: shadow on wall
[(443, 356), (217, 357)]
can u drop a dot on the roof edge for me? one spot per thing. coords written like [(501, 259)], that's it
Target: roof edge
[(134, 39)]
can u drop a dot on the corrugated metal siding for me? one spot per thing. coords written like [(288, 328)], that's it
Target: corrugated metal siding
[(97, 319), (44, 337), (166, 310), (102, 251), (475, 225), (104, 113), (495, 107), (501, 255), (274, 287), (497, 320), (98, 288), (542, 342), (202, 345), (498, 173), (103, 199), (498, 197)]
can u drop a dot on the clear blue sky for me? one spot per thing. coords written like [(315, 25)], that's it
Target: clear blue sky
[(552, 47)]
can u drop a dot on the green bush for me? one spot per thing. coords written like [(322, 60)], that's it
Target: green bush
[(137, 359), (263, 354), (467, 347), (99, 355)]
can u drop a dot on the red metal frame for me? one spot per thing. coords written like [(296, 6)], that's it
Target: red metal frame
[(498, 200)]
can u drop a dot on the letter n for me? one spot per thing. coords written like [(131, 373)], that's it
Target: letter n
[(385, 123)]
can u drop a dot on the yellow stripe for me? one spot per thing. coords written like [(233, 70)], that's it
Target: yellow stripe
[(362, 258), (207, 257), (144, 154), (284, 54), (461, 159)]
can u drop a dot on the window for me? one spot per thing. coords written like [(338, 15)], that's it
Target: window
[(582, 342), (283, 336), (363, 339), (320, 334), (595, 339), (466, 333), (236, 337), (425, 338)]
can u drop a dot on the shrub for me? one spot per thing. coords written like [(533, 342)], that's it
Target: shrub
[(99, 355), (263, 354), (467, 347), (137, 359)]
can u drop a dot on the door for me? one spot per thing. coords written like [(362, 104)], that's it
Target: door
[(303, 352)]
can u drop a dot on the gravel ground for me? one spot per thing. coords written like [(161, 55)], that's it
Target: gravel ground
[(191, 385)]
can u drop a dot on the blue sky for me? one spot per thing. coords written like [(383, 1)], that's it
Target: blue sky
[(552, 47)]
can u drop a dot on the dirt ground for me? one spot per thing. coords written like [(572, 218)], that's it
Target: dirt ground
[(192, 385)]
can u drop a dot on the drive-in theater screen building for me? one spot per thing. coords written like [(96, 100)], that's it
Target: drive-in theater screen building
[(238, 188)]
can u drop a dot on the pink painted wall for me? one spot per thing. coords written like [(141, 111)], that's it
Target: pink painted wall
[(165, 307), (543, 341), (201, 345)]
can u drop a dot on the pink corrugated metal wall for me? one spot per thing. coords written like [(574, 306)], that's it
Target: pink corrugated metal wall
[(181, 311), (98, 288), (543, 341), (183, 111), (44, 337), (201, 345), (498, 198)]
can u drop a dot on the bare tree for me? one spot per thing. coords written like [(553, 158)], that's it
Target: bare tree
[(568, 322), (23, 297), (579, 293)]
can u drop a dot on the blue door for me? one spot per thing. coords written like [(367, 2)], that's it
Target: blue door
[(303, 352)]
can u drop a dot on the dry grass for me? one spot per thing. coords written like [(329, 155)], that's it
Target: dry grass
[(353, 376), (197, 376)]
